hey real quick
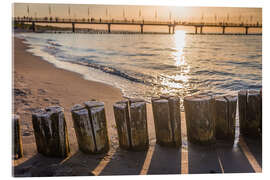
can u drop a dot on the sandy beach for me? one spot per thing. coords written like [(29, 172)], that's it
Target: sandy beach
[(38, 84)]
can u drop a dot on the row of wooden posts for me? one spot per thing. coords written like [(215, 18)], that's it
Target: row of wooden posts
[(207, 118)]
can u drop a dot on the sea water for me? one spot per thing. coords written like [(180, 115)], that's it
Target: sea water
[(146, 65)]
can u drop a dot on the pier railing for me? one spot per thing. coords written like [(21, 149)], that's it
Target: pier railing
[(171, 24)]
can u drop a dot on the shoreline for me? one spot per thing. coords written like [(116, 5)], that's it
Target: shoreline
[(38, 83)]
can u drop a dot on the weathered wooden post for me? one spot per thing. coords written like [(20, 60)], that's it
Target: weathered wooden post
[(91, 127), (97, 117), (199, 111), (250, 113), (122, 119), (131, 122), (225, 111), (83, 129), (17, 139), (161, 115), (166, 111), (138, 126), (51, 132)]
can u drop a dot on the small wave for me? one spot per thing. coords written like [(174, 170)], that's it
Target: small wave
[(54, 44), (206, 72), (140, 54), (114, 71)]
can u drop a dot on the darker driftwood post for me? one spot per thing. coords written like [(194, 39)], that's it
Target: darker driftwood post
[(17, 139), (138, 126), (199, 111), (83, 129), (97, 118), (131, 122), (166, 111), (250, 113), (51, 132), (225, 111)]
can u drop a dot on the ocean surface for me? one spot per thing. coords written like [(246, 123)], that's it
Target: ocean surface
[(150, 64)]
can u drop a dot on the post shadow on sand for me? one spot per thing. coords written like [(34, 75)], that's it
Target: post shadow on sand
[(165, 160), (125, 163), (255, 147), (214, 158), (36, 166), (78, 164), (232, 158), (203, 159)]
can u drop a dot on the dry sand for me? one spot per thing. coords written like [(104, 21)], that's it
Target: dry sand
[(38, 84)]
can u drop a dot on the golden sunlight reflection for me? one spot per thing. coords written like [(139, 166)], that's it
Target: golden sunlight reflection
[(179, 80), (179, 39)]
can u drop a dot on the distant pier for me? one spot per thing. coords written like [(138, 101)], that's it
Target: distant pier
[(198, 27)]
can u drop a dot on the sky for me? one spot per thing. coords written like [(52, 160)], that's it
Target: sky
[(161, 13)]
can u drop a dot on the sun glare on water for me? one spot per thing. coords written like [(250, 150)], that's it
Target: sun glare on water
[(179, 79)]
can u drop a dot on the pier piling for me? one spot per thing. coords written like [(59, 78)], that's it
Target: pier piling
[(196, 31), (51, 132), (73, 27), (223, 29), (199, 111), (109, 28), (17, 138)]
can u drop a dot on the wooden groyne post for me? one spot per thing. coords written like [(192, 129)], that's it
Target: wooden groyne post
[(51, 132), (131, 121), (167, 119), (91, 127), (250, 113), (225, 112), (17, 139), (199, 111)]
